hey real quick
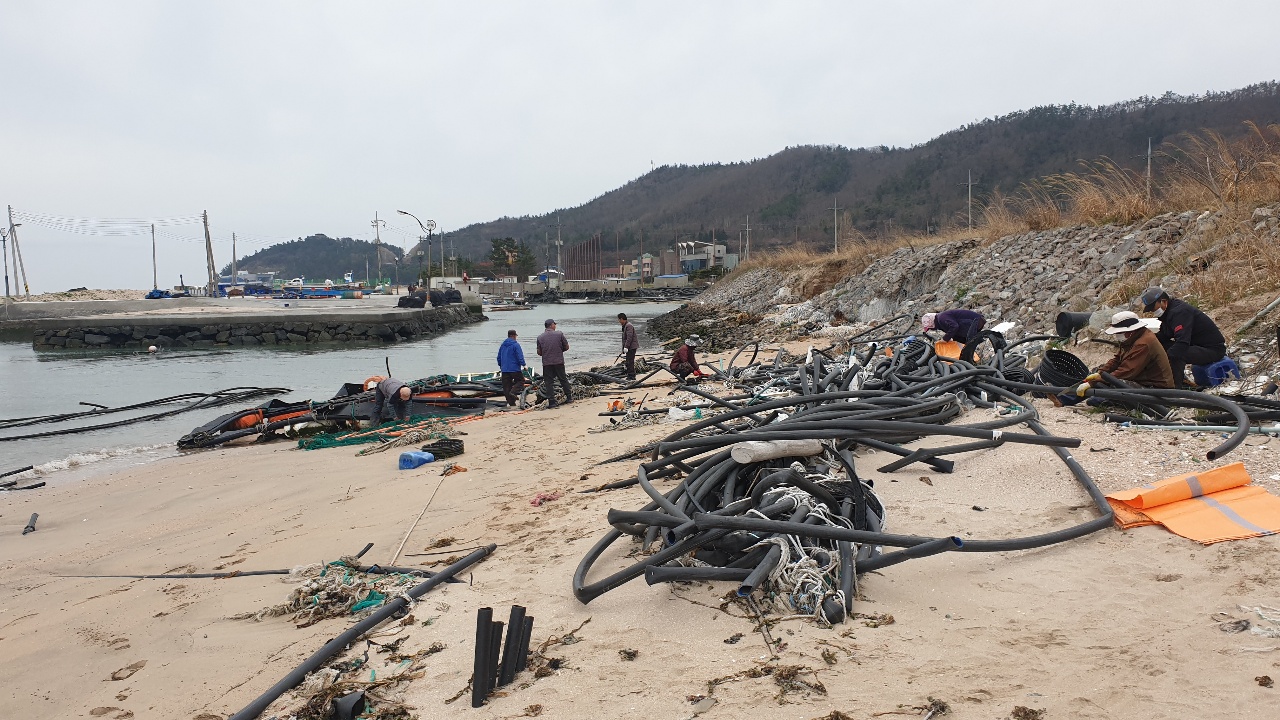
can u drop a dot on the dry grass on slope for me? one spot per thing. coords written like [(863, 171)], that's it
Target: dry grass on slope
[(819, 271)]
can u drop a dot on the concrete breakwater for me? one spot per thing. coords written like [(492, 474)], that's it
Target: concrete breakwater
[(219, 327)]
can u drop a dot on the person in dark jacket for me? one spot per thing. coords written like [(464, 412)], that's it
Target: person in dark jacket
[(1140, 361), (552, 345), (684, 363), (395, 391), (1188, 335), (511, 363), (630, 344), (960, 325)]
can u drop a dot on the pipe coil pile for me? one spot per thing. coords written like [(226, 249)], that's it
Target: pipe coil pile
[(769, 495)]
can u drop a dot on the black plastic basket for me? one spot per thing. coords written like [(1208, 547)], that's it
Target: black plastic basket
[(1061, 369), (446, 448)]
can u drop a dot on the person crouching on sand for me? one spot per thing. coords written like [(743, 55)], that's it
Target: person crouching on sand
[(684, 363)]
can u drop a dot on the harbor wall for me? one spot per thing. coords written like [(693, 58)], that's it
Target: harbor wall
[(209, 330)]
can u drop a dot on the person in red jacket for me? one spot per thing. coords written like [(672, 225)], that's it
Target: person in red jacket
[(684, 363)]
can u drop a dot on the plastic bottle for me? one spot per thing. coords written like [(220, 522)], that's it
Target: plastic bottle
[(415, 458)]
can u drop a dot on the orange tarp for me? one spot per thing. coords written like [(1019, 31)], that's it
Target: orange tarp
[(1207, 507)]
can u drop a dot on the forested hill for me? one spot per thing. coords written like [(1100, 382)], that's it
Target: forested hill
[(320, 257), (788, 196)]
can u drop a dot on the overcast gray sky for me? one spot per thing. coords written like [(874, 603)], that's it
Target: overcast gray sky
[(283, 119)]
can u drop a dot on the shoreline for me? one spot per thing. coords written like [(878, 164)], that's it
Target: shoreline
[(1063, 627)]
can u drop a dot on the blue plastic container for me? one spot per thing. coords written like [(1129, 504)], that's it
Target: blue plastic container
[(415, 458), (1215, 374)]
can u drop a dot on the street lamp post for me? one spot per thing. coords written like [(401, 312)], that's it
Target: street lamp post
[(428, 227)]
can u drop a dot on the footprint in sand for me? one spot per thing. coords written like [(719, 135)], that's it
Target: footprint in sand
[(127, 672), (120, 713)]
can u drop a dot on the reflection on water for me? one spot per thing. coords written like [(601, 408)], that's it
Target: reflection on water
[(46, 383)]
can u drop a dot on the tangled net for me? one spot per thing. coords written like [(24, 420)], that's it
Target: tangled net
[(387, 436), (334, 590)]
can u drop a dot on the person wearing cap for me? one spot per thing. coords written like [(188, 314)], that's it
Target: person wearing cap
[(395, 391), (552, 345), (684, 363), (1188, 335), (630, 344), (1140, 360), (959, 324), (511, 363)]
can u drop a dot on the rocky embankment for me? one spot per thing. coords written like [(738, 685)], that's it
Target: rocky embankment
[(1027, 278)]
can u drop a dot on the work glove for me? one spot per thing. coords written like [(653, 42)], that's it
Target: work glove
[(1093, 378), (1081, 389)]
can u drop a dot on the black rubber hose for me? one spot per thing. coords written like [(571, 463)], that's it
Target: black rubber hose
[(933, 547), (511, 649), (483, 662), (795, 479), (31, 524), (761, 572), (1189, 397), (663, 574), (339, 643), (847, 571), (940, 464), (586, 593)]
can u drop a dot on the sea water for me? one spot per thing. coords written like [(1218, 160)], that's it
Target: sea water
[(46, 383)]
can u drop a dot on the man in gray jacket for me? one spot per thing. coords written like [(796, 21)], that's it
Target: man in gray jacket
[(551, 347), (395, 391), (630, 344)]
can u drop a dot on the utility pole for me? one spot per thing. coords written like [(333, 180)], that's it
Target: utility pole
[(18, 265), (4, 252), (1148, 169), (212, 288), (641, 257), (559, 244), (835, 214), (421, 240), (155, 276), (431, 226), (235, 276), (970, 206), (377, 243), (748, 226)]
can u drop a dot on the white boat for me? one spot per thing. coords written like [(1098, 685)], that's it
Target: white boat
[(494, 304), (575, 301)]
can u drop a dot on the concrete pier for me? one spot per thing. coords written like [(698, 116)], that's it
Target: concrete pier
[(212, 324)]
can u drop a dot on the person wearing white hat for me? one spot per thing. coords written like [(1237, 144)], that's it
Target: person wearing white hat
[(684, 363), (1141, 359)]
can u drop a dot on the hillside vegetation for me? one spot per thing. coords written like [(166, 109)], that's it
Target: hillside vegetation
[(320, 257), (883, 190), (1207, 230)]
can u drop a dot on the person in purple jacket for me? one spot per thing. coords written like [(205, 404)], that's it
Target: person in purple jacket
[(960, 325), (552, 345)]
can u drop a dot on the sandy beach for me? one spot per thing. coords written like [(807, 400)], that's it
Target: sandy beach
[(1114, 625)]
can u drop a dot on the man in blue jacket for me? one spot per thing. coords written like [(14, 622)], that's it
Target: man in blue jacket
[(511, 363)]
